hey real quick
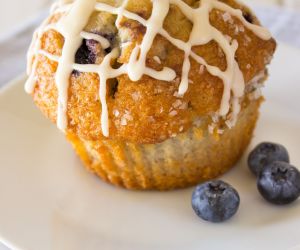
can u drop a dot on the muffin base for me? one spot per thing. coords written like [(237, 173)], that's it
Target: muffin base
[(183, 161)]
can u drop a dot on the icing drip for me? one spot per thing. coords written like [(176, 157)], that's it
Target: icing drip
[(73, 40), (90, 36), (137, 67), (157, 59), (33, 51), (71, 26), (120, 14)]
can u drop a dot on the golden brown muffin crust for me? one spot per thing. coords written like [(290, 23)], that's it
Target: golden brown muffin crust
[(148, 111)]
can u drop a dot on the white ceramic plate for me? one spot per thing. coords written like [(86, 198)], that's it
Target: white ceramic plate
[(48, 201)]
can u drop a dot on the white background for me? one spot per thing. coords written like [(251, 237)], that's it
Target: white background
[(17, 12)]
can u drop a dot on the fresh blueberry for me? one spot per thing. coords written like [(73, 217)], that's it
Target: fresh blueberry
[(266, 153), (215, 201), (279, 183)]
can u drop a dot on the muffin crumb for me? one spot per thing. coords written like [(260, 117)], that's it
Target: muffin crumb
[(116, 113), (136, 96), (173, 113), (227, 18), (202, 68)]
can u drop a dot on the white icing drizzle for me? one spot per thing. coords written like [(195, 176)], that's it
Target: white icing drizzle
[(72, 24), (90, 36), (49, 56), (120, 13), (60, 6), (33, 51), (81, 12), (157, 59)]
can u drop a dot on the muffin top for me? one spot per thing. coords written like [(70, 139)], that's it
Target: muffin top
[(144, 71)]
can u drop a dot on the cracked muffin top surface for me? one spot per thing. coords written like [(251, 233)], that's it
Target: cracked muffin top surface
[(149, 109)]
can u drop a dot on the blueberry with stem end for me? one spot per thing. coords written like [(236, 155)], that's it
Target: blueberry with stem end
[(215, 201), (264, 154), (279, 183)]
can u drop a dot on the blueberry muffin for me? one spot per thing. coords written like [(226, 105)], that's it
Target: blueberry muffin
[(151, 94)]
